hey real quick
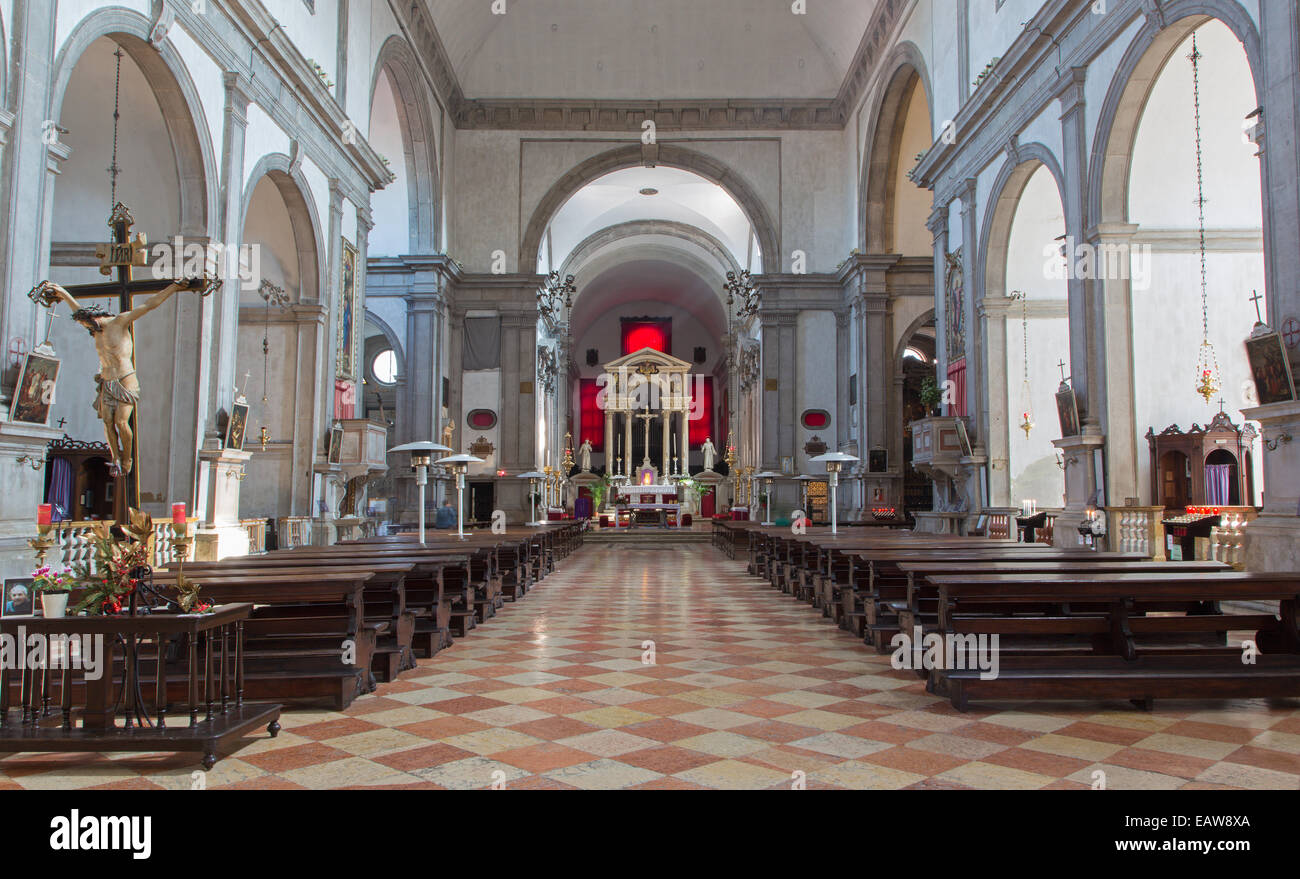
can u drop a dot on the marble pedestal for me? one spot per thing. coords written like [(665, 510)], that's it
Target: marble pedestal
[(21, 489), (221, 473), (1273, 539), (1080, 483)]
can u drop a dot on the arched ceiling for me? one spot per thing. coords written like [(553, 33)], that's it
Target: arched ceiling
[(679, 197), (633, 49), (648, 280)]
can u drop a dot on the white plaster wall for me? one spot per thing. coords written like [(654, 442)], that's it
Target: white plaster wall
[(816, 384), (816, 200), (206, 75), (1101, 76), (992, 30), (262, 137), (485, 199), (912, 205), (391, 235), (481, 389), (314, 34), (71, 12)]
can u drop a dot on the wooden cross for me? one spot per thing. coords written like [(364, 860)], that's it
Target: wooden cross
[(1255, 299), (119, 257), (1061, 366)]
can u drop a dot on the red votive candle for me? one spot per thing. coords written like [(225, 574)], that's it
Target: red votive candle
[(178, 514), (43, 514)]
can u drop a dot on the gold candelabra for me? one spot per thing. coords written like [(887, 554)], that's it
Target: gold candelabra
[(186, 590), (42, 543)]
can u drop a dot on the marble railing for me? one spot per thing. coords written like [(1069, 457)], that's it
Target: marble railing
[(73, 544), (1136, 529), (1228, 539)]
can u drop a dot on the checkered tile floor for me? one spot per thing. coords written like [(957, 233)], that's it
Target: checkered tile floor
[(747, 689)]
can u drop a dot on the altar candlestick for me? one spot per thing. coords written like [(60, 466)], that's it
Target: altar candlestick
[(43, 514)]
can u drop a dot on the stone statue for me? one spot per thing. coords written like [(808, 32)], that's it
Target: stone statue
[(710, 452), (447, 432), (584, 456), (118, 386)]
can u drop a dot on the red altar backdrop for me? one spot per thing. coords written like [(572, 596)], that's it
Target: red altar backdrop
[(957, 375), (592, 418), (647, 332), (702, 428)]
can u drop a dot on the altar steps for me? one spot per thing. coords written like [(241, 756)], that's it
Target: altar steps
[(646, 536)]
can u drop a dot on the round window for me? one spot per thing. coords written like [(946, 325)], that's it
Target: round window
[(384, 367)]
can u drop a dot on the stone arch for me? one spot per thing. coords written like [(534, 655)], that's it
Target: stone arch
[(177, 97), (610, 234), (294, 189), (876, 193), (419, 137), (394, 341), (926, 317), (1130, 87), (1004, 198), (671, 156)]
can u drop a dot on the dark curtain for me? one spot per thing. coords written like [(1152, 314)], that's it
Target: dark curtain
[(482, 343), (60, 491)]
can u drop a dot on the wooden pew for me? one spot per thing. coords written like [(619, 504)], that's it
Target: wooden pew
[(298, 636), (1129, 651)]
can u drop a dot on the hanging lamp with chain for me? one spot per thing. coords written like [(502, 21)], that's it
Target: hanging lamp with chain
[(1026, 402), (1208, 378)]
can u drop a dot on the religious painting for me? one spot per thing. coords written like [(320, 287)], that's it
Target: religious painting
[(787, 465), (346, 353), (1270, 368), (964, 439), (237, 426), (18, 597), (334, 453), (1067, 410), (877, 460), (34, 392), (955, 308)]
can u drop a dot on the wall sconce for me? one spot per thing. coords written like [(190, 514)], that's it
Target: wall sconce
[(1271, 445), (37, 463)]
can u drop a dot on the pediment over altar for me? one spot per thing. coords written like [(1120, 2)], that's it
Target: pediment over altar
[(643, 361)]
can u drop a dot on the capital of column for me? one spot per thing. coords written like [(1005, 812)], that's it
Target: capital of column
[(238, 94), (966, 192), (1069, 90)]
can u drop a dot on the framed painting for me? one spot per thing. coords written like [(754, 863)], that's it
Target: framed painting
[(964, 439), (34, 393), (237, 427), (787, 465), (878, 461), (334, 454), (345, 365), (1269, 367), (1067, 410), (18, 597)]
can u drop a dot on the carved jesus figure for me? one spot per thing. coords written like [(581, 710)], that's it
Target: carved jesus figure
[(118, 386)]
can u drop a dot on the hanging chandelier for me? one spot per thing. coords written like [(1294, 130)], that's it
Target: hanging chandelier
[(1208, 379), (1027, 415)]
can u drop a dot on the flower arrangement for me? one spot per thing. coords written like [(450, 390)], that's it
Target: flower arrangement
[(119, 564), (47, 581)]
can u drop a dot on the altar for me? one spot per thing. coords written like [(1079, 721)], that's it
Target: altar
[(649, 494)]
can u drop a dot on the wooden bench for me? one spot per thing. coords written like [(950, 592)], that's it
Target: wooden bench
[(304, 624), (1120, 635)]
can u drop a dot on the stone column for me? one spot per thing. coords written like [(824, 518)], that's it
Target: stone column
[(627, 443), (973, 289), (609, 441), (1123, 440), (1087, 347), (683, 438), (938, 226), (995, 406), (221, 313), (25, 170), (665, 415)]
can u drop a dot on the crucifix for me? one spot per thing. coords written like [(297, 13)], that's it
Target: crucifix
[(118, 387), (1061, 366), (647, 418), (1259, 318)]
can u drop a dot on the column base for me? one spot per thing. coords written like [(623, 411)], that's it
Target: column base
[(1273, 543), (223, 541)]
